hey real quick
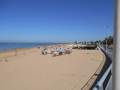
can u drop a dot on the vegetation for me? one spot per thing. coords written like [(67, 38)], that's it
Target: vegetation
[(108, 40)]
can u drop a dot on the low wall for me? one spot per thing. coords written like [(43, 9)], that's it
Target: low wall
[(91, 81)]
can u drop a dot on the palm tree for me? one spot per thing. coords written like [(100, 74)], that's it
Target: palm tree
[(108, 40)]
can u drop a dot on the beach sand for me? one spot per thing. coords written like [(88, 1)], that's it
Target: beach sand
[(29, 70)]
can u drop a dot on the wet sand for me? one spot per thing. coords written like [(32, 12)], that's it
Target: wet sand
[(31, 71)]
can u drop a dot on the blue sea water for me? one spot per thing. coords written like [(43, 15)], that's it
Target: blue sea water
[(9, 46)]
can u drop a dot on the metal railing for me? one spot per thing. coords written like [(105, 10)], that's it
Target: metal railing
[(100, 84)]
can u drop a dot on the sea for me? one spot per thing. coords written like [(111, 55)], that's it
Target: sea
[(9, 46)]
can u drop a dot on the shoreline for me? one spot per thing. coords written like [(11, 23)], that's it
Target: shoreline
[(42, 45), (35, 45), (17, 51)]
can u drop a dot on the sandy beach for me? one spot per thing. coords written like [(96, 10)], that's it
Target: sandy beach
[(29, 70)]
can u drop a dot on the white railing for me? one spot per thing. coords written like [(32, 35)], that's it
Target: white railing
[(99, 85)]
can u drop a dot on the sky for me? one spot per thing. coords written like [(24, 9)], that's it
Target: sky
[(55, 20)]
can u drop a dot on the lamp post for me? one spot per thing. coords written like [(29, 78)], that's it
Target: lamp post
[(106, 45), (117, 48)]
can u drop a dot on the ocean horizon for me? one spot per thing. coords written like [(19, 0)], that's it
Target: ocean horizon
[(4, 46)]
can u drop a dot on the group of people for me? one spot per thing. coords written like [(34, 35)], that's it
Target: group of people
[(56, 51)]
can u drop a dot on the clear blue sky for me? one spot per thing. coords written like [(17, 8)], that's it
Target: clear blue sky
[(55, 20)]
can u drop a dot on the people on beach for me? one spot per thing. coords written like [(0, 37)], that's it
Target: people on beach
[(57, 51), (44, 51), (68, 51)]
